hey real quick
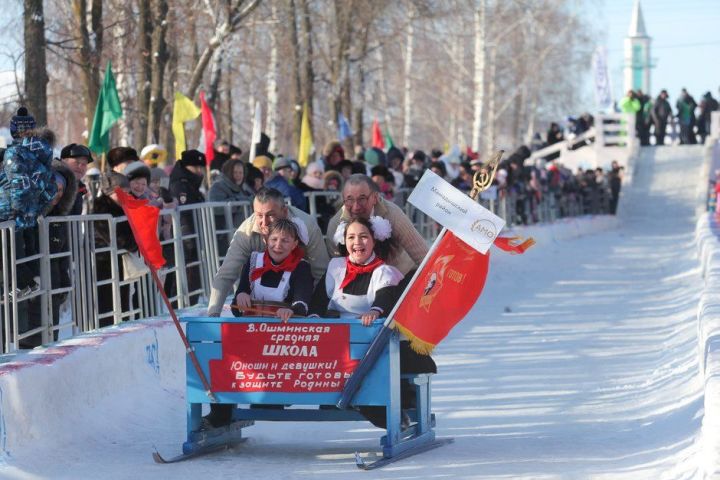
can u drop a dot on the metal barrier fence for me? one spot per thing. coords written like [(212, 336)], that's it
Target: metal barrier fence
[(87, 283)]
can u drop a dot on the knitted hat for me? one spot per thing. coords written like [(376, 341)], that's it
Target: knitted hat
[(157, 174), (262, 162), (21, 122), (193, 158), (137, 169), (280, 163), (109, 182), (119, 155)]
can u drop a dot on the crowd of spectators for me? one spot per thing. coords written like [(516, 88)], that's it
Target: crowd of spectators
[(74, 184)]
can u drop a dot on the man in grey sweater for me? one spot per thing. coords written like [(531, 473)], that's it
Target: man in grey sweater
[(268, 206), (361, 198)]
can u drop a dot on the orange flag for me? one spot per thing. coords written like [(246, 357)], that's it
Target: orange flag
[(143, 220)]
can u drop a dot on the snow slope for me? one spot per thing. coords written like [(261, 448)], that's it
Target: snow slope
[(580, 360)]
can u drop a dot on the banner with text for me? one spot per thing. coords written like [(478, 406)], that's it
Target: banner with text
[(278, 357), (474, 224)]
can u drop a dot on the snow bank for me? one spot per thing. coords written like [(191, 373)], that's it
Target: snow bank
[(566, 228), (708, 241), (81, 373)]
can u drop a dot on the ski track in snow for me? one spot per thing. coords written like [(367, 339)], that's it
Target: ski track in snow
[(578, 361)]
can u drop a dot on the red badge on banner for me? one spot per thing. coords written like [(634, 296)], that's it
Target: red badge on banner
[(278, 357), (443, 293)]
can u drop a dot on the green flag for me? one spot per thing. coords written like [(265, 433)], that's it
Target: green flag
[(107, 112)]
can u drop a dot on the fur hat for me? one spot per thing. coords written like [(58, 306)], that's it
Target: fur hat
[(137, 169), (332, 147), (119, 155), (109, 182), (193, 158), (21, 122)]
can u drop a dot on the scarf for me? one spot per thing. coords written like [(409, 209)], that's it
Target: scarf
[(287, 265), (352, 270)]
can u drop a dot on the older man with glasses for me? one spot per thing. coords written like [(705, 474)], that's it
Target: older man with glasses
[(361, 198)]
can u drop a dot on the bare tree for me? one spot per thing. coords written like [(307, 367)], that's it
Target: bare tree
[(227, 17), (36, 78)]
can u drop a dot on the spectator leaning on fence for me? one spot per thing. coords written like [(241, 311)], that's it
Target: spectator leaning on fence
[(361, 198), (76, 157), (268, 206)]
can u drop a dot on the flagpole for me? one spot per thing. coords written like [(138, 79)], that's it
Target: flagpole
[(481, 181), (188, 348)]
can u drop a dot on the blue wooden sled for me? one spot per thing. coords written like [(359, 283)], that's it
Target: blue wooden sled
[(381, 388)]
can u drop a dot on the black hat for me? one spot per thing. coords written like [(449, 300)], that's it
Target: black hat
[(137, 169), (119, 155), (193, 157), (75, 150), (21, 122)]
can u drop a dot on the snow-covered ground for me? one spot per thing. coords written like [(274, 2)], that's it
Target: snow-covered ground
[(580, 360)]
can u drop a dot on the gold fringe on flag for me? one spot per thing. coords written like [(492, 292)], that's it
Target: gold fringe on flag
[(418, 345)]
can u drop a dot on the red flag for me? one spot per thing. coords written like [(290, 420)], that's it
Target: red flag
[(446, 289), (377, 136), (442, 294), (143, 220), (208, 126)]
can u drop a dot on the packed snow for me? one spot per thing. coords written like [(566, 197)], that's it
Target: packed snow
[(579, 360)]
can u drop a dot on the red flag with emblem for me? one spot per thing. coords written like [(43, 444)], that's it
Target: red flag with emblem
[(143, 220), (446, 289)]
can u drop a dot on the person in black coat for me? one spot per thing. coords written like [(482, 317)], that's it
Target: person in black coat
[(660, 113), (76, 157), (59, 235), (185, 182), (107, 203)]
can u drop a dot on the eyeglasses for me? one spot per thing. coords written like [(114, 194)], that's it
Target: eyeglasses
[(361, 201)]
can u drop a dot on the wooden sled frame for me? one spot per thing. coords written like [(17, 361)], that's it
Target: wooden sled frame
[(381, 387)]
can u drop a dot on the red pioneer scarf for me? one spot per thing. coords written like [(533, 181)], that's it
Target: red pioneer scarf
[(352, 270), (287, 265)]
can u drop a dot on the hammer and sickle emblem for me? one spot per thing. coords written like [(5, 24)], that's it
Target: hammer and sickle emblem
[(484, 178)]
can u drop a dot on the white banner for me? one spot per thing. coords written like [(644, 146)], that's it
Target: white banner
[(471, 222), (603, 89)]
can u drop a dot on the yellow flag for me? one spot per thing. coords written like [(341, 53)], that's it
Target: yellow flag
[(184, 110), (305, 139)]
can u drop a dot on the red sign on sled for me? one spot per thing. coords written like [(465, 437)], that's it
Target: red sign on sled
[(288, 358)]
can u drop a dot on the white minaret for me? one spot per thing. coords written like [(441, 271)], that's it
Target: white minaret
[(637, 54)]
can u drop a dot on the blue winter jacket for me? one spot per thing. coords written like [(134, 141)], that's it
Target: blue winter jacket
[(27, 182), (297, 199)]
